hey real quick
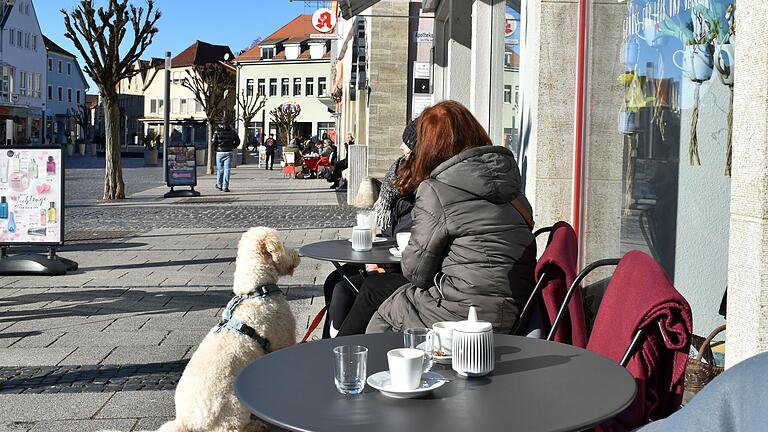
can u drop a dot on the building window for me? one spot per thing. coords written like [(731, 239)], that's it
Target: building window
[(284, 84), (267, 53), (50, 92), (273, 86), (22, 83), (69, 95), (61, 94), (324, 129), (175, 105), (50, 65), (507, 94), (183, 107), (321, 86), (19, 42), (69, 68), (160, 105), (297, 86), (38, 85), (12, 37), (310, 87), (7, 82), (34, 43), (78, 96), (249, 87), (198, 106), (26, 40), (153, 106), (60, 66), (517, 95), (261, 88)]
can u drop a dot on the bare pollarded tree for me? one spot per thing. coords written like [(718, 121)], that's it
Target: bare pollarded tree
[(250, 104), (211, 84), (99, 36)]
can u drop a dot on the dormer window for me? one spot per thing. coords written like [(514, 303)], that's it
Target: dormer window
[(267, 53)]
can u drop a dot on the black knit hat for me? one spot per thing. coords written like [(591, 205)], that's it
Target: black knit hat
[(409, 135)]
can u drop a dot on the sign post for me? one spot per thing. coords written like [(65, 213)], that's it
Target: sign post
[(180, 170), (32, 209)]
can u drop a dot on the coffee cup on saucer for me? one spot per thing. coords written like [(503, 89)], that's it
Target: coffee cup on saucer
[(402, 240), (442, 338), (405, 368)]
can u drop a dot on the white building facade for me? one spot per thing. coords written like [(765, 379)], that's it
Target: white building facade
[(23, 58), (65, 94), (289, 66)]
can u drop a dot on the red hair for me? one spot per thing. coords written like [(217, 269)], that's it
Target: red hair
[(443, 131)]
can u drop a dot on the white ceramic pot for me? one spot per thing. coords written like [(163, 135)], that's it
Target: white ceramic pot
[(473, 353), (724, 62), (697, 63)]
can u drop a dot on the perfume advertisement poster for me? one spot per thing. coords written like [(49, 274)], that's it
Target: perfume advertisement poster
[(31, 196), (180, 163)]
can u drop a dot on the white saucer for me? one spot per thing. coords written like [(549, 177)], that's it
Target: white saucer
[(429, 381), (376, 240), (396, 252)]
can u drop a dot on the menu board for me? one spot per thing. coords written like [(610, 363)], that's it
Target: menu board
[(31, 196), (180, 163)]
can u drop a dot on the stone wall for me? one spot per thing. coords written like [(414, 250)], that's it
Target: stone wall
[(388, 99), (747, 332)]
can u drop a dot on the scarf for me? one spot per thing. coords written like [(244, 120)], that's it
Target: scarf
[(387, 197)]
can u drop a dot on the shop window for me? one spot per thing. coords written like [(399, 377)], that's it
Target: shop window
[(657, 169)]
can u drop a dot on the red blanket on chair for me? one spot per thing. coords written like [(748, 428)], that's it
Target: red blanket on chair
[(641, 296), (559, 261)]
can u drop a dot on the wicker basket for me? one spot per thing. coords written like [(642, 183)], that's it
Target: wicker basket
[(699, 373)]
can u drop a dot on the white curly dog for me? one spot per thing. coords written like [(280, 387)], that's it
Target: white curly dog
[(260, 321)]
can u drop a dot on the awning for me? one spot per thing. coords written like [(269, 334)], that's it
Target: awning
[(350, 8)]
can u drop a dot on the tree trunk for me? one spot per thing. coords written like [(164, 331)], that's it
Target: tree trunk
[(211, 150), (114, 188)]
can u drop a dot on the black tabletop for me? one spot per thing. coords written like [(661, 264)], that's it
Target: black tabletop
[(536, 386), (341, 251)]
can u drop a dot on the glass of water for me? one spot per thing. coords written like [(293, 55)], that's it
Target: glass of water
[(350, 368), (420, 338)]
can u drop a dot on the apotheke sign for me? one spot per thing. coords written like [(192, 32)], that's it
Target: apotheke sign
[(324, 20)]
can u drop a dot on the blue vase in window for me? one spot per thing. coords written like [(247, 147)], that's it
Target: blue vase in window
[(11, 224)]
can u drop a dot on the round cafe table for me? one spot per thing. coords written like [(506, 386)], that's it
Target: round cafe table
[(340, 251), (536, 386)]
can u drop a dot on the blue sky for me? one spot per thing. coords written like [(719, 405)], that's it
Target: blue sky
[(226, 22)]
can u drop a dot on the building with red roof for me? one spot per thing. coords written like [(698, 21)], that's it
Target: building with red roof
[(293, 65)]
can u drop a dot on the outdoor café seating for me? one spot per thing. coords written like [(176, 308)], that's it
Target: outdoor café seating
[(643, 326)]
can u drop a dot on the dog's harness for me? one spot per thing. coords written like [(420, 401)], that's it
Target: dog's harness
[(232, 323)]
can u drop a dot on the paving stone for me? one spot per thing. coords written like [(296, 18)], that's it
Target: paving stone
[(33, 356), (111, 338), (84, 425), (139, 404), (50, 407), (87, 355), (151, 423), (153, 354)]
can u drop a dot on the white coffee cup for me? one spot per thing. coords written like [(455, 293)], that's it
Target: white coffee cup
[(402, 240), (405, 367), (362, 238), (442, 337)]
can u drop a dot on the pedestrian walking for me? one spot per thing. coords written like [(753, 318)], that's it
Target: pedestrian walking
[(271, 148), (225, 140)]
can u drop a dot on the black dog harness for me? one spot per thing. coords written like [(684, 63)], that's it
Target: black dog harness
[(232, 323)]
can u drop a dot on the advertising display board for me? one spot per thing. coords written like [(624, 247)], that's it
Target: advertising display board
[(262, 157), (180, 165), (31, 196)]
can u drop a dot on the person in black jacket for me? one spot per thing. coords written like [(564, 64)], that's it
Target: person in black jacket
[(271, 146), (225, 141), (349, 314)]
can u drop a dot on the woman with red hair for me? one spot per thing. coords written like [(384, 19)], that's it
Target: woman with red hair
[(471, 242)]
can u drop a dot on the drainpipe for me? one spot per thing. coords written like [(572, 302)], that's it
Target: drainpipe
[(581, 119)]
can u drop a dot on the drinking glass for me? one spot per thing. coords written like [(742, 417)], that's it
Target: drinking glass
[(350, 368), (420, 338)]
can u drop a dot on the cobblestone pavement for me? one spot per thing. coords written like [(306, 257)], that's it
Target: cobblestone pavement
[(103, 347), (142, 218)]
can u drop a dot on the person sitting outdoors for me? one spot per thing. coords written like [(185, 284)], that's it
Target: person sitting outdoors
[(470, 245), (298, 158), (341, 165), (347, 313)]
